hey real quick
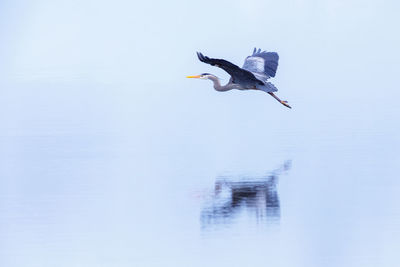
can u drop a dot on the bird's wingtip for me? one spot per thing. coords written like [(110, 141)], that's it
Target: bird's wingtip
[(200, 56)]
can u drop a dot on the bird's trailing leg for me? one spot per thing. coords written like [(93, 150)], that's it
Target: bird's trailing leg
[(280, 101)]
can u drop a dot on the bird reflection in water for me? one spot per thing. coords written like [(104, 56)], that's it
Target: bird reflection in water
[(254, 195)]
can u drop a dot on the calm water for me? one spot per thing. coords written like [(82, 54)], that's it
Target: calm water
[(110, 157), (103, 175)]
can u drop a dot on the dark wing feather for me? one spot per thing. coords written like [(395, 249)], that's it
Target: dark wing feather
[(239, 75)]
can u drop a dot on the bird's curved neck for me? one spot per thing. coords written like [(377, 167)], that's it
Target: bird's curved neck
[(219, 87)]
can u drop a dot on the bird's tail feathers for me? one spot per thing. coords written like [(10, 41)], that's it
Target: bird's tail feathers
[(268, 87)]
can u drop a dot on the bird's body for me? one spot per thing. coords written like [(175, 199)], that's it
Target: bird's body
[(254, 74)]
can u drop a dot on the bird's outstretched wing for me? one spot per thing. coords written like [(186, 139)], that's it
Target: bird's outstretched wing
[(239, 75), (262, 64)]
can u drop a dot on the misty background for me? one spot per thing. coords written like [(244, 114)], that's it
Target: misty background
[(109, 156)]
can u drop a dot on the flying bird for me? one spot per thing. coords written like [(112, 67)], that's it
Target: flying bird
[(254, 75)]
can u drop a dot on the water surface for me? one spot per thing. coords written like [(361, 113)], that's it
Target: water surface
[(101, 178)]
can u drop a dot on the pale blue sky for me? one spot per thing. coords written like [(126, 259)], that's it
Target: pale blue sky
[(340, 52), (104, 142), (103, 40)]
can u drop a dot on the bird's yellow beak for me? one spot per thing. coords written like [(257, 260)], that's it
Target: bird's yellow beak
[(195, 76)]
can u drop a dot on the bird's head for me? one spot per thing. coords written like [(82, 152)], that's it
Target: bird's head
[(203, 76)]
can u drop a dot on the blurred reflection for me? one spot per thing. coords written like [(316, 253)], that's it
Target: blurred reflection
[(256, 196)]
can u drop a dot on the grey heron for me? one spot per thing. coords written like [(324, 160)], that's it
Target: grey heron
[(254, 75)]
